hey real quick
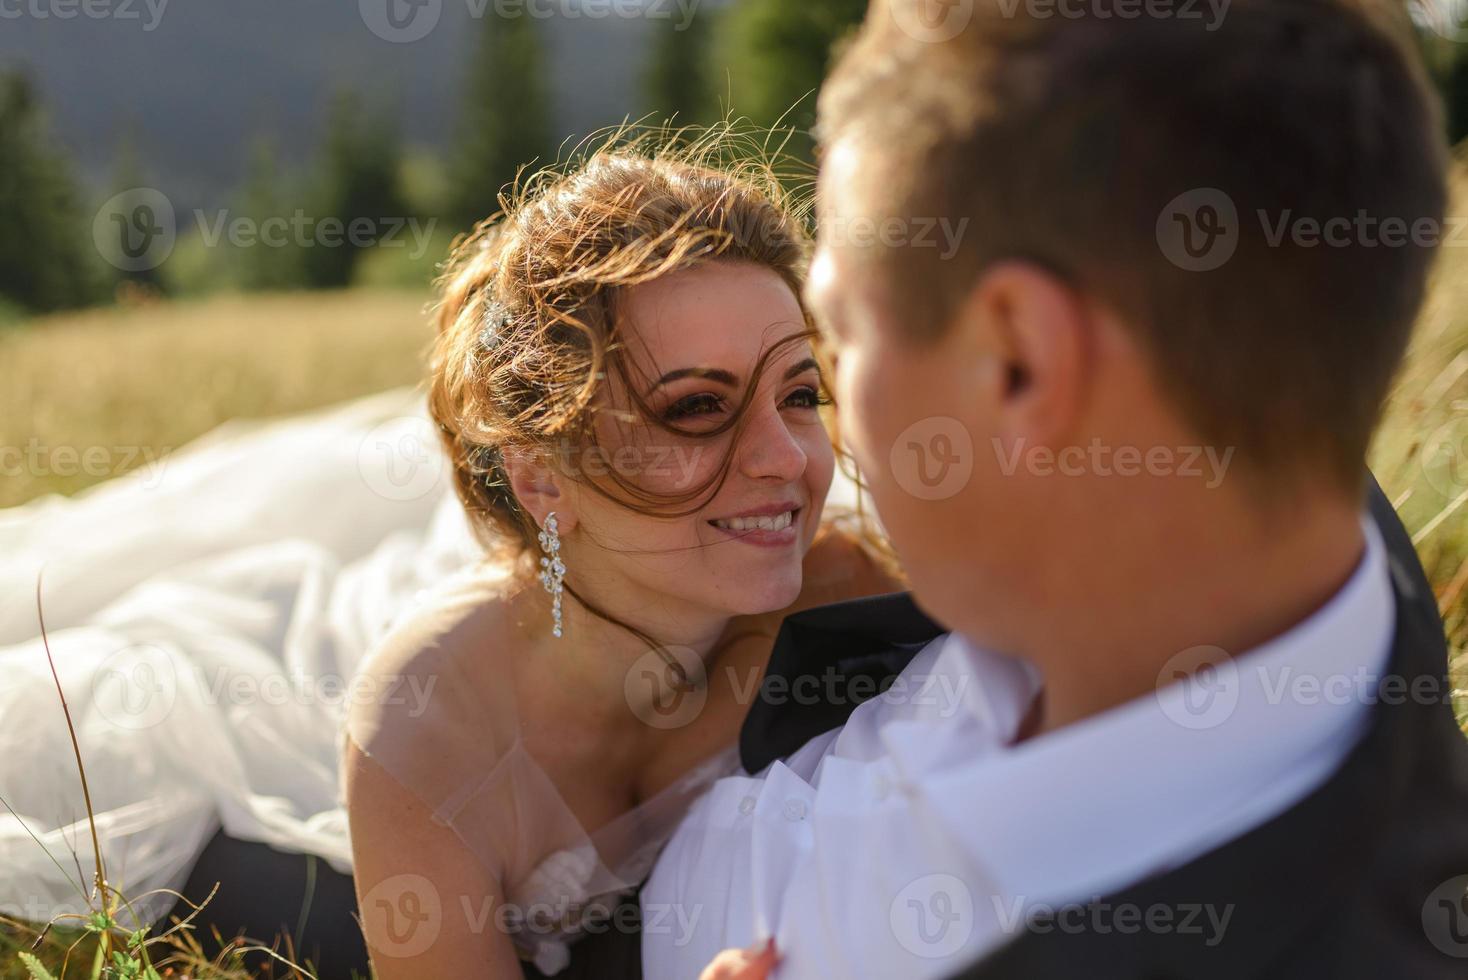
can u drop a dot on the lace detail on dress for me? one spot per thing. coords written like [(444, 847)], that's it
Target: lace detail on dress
[(579, 888)]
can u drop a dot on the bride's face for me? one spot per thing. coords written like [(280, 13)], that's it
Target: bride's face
[(693, 340)]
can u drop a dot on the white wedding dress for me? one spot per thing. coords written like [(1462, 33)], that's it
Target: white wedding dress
[(205, 622)]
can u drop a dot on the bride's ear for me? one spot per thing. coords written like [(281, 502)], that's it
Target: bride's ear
[(539, 487)]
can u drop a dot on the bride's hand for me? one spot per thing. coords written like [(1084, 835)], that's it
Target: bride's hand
[(754, 963)]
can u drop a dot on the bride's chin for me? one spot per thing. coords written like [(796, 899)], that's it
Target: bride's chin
[(772, 596)]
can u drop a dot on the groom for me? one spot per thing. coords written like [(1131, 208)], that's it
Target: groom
[(1193, 718)]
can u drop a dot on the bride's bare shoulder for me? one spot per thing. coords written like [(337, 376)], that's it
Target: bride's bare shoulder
[(848, 560), (441, 679)]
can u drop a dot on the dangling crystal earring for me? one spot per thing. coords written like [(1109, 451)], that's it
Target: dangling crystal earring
[(552, 569)]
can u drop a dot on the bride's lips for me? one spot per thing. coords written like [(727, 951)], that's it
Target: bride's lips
[(764, 537)]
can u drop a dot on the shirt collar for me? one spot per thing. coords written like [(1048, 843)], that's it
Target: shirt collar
[(1157, 781)]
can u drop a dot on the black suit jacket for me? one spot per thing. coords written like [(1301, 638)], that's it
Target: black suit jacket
[(1351, 882)]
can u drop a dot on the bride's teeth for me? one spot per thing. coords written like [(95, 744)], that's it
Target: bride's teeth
[(774, 522)]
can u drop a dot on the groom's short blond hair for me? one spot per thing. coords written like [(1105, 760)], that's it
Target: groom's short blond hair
[(1065, 131)]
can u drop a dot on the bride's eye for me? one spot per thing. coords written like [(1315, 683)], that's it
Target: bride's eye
[(701, 404), (806, 397)]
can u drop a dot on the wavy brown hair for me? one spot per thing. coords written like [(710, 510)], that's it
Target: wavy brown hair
[(530, 307)]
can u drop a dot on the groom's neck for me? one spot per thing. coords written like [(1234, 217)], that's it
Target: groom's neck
[(1209, 573)]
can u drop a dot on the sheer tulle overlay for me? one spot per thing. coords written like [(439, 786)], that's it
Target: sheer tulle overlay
[(207, 620), (445, 726), (219, 628)]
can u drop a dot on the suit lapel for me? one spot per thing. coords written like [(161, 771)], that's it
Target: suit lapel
[(850, 649)]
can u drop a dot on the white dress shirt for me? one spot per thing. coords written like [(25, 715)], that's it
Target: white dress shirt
[(917, 838)]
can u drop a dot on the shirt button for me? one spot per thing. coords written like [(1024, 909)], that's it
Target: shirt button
[(746, 805), (794, 810)]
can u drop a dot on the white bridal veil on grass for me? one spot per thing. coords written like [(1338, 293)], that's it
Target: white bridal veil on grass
[(206, 618)]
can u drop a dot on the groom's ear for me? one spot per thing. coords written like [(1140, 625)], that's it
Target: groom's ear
[(538, 486), (1033, 343)]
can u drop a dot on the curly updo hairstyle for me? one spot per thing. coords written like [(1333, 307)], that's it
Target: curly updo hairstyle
[(529, 302)]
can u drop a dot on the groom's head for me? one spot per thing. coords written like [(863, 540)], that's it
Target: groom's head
[(1093, 267)]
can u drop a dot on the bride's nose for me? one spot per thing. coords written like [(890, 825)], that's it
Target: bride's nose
[(768, 448)]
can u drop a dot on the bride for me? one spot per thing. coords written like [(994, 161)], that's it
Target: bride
[(629, 390), (490, 706)]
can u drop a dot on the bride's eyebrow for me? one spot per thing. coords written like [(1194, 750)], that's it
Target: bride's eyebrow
[(728, 378)]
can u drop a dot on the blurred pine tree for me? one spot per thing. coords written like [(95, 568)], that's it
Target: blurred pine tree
[(778, 54), (128, 174), (504, 123), (273, 264), (677, 85), (47, 260), (357, 182)]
